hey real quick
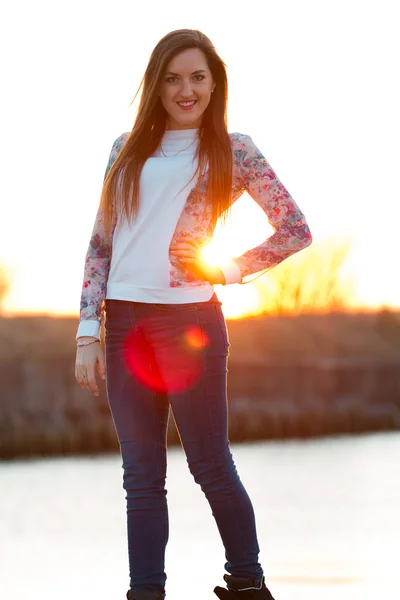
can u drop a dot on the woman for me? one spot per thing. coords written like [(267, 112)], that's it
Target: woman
[(166, 344)]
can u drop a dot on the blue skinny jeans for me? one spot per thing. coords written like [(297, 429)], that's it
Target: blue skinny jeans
[(174, 356)]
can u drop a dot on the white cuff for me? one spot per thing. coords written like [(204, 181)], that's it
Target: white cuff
[(88, 327), (231, 272)]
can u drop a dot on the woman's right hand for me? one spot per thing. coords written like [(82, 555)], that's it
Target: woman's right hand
[(87, 359)]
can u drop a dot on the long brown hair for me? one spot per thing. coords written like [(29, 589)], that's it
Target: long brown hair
[(150, 123)]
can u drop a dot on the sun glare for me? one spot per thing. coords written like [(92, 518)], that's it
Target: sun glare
[(313, 280), (246, 227), (216, 253)]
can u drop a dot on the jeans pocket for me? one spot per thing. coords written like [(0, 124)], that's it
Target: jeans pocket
[(118, 325), (117, 309), (223, 326)]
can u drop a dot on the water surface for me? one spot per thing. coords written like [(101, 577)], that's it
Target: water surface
[(327, 515)]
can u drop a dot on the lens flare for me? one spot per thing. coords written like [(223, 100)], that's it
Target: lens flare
[(170, 365), (196, 338)]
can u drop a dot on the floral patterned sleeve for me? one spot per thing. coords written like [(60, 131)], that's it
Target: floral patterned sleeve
[(291, 230), (97, 266)]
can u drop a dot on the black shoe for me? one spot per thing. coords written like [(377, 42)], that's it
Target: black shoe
[(144, 595), (240, 588)]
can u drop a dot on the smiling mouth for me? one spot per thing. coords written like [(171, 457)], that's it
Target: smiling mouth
[(187, 105)]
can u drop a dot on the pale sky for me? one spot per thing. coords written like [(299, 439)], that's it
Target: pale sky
[(314, 83)]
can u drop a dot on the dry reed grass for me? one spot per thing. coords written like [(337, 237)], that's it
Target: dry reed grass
[(312, 281)]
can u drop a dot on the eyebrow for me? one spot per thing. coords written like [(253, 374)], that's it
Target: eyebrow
[(177, 74)]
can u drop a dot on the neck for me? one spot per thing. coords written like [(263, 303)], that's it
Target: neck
[(191, 127), (173, 126)]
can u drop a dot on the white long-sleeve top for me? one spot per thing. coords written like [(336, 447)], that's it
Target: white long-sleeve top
[(140, 266)]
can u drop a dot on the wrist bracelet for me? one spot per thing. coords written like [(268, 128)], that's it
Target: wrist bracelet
[(87, 342)]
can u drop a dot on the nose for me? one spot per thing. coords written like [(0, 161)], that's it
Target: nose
[(186, 88)]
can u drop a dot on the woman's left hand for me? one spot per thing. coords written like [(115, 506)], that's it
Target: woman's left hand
[(188, 252)]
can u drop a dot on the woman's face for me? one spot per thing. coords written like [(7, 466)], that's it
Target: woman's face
[(186, 89)]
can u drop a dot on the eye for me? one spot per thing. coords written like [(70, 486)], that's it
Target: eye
[(171, 79), (196, 77)]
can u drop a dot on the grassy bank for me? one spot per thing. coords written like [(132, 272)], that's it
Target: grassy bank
[(288, 377)]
